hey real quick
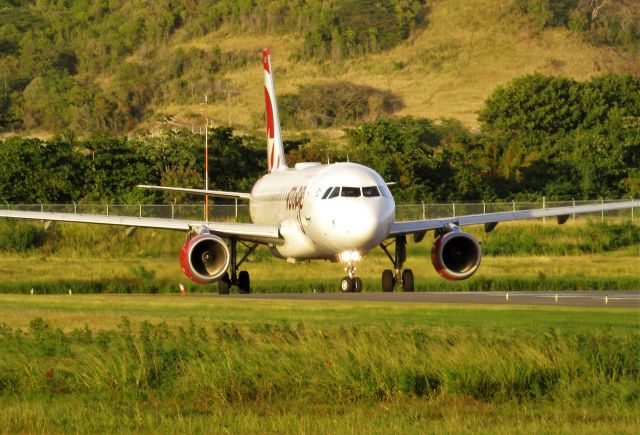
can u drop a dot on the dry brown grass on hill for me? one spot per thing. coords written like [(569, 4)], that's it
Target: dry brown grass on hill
[(468, 48)]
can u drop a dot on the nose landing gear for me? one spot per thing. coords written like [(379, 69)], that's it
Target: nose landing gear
[(350, 283), (403, 278)]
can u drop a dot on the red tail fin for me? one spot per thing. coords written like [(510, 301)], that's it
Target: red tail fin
[(275, 148)]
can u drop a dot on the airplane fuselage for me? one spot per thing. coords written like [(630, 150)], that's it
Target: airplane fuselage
[(323, 210)]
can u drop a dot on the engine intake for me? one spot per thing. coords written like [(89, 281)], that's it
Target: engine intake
[(204, 258), (456, 255)]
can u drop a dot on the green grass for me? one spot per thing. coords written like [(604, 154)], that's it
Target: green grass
[(517, 256), (149, 363)]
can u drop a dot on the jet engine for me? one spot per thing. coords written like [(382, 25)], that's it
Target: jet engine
[(204, 258), (456, 255)]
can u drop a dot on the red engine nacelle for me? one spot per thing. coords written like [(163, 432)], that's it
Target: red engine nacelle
[(456, 255), (204, 258)]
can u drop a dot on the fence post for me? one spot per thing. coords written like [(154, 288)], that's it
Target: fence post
[(41, 208), (544, 205), (632, 210), (139, 209), (172, 211), (513, 201), (75, 208), (484, 207), (107, 209), (453, 204), (424, 214), (236, 208), (573, 201), (602, 212)]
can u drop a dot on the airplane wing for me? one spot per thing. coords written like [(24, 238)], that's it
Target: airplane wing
[(242, 231), (218, 193), (490, 220)]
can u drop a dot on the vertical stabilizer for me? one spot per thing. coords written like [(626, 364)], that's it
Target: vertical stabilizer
[(275, 149)]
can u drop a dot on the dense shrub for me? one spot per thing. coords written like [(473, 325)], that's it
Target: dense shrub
[(21, 237), (336, 103)]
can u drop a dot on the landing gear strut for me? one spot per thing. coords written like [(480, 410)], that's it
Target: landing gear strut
[(240, 279), (397, 276), (350, 283)]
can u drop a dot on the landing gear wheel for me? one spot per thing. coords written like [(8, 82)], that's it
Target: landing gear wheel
[(244, 283), (387, 281), (346, 285), (357, 285), (407, 280), (224, 284)]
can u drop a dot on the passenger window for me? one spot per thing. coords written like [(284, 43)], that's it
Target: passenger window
[(326, 194), (370, 191), (335, 192), (351, 192)]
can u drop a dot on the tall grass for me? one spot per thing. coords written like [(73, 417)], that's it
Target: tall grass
[(96, 259), (80, 240), (197, 368)]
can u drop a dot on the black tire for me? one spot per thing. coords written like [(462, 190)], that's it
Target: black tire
[(244, 283), (224, 284), (387, 281), (357, 285), (407, 280), (346, 285)]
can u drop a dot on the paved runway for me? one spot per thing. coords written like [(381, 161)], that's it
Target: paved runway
[(612, 299)]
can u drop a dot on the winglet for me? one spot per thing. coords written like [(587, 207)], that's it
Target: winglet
[(275, 148)]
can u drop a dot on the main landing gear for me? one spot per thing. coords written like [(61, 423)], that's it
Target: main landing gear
[(397, 276), (240, 279), (350, 283)]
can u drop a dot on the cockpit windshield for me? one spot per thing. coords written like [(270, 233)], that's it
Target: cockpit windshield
[(370, 191), (351, 192)]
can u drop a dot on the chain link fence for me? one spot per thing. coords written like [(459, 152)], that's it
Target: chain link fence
[(406, 212), (239, 212)]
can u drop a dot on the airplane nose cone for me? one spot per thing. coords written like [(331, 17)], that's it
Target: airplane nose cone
[(363, 227)]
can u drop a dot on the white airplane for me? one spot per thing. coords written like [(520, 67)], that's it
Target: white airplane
[(336, 212)]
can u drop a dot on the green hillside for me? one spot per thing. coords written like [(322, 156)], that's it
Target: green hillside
[(116, 66)]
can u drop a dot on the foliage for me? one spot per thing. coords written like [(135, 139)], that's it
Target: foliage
[(541, 135), (566, 138), (34, 171), (345, 28), (108, 168), (601, 22), (334, 104), (21, 237), (404, 151), (103, 66)]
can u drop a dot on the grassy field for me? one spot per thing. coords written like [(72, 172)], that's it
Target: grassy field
[(147, 363), (86, 259)]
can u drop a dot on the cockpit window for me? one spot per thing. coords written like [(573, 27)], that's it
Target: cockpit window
[(370, 191), (327, 193), (335, 192), (351, 192)]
